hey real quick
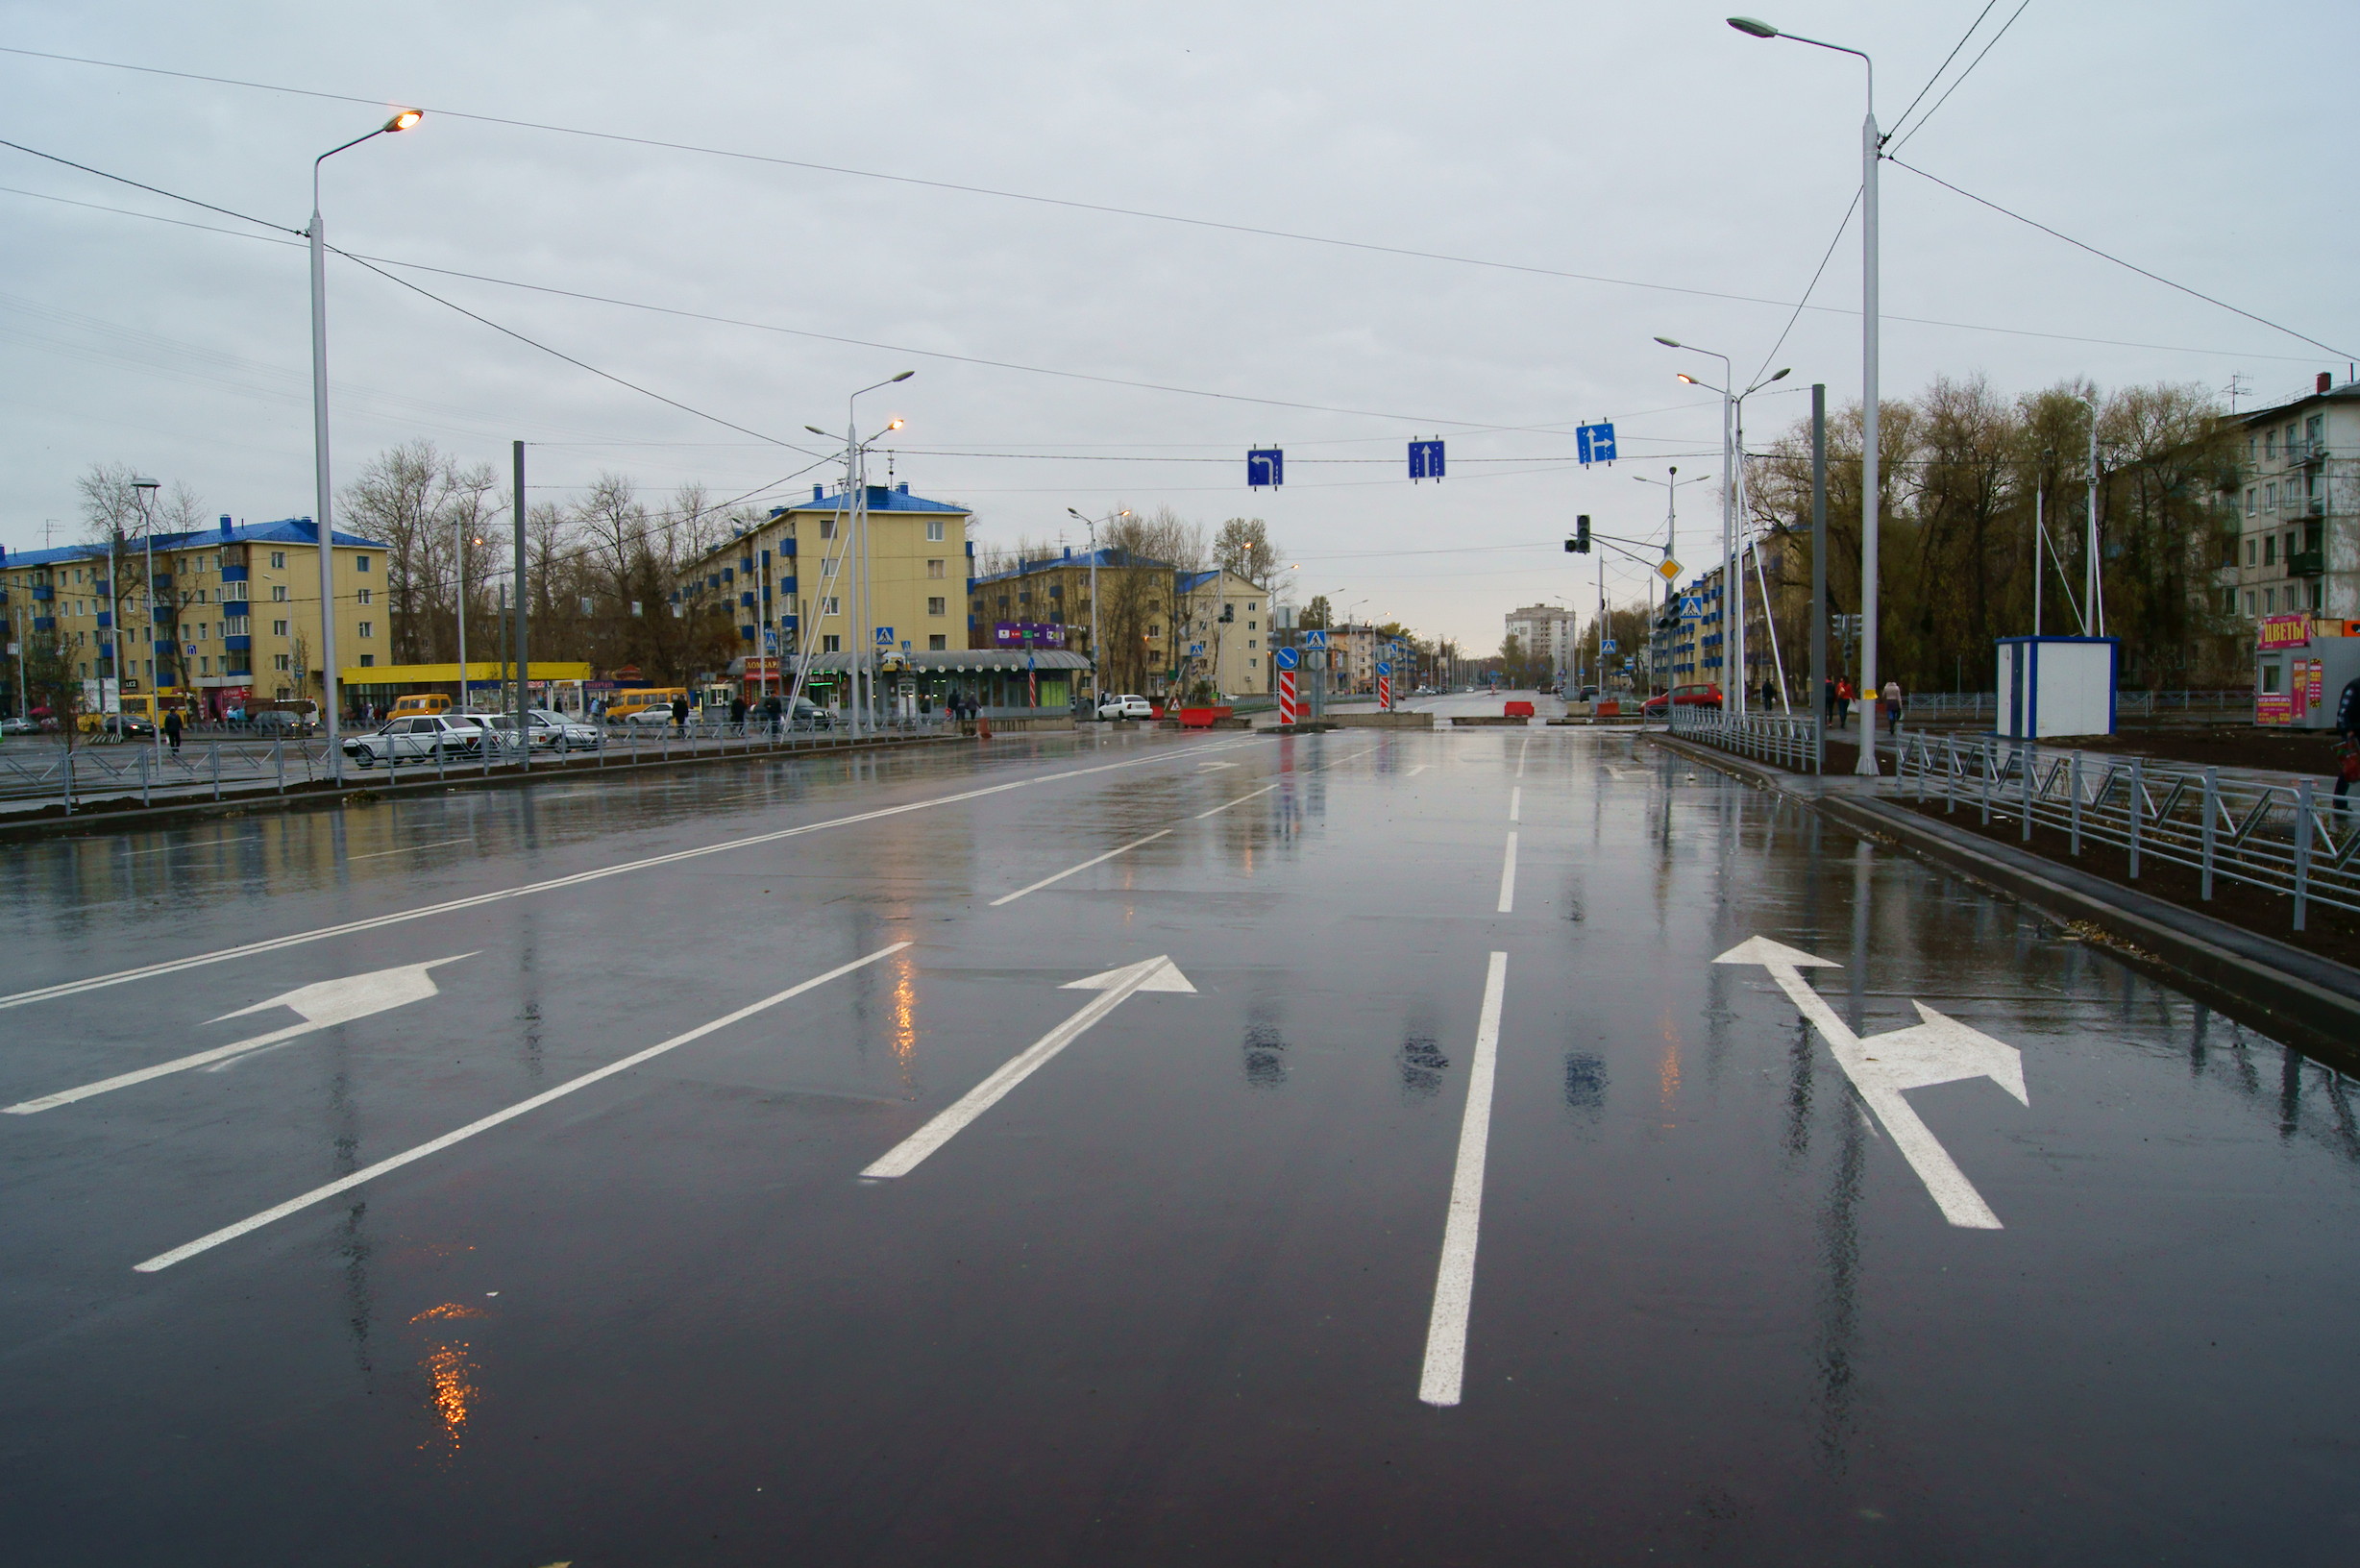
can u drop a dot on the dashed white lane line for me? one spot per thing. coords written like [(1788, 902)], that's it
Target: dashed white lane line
[(297, 939), (1520, 751), (1094, 860), (1420, 769), (1454, 1281), (1238, 801), (482, 1124), (1515, 805), (405, 849), (1507, 876)]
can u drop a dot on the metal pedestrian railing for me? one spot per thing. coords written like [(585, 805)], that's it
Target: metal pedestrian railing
[(2289, 838), (1791, 740), (2127, 704), (38, 772)]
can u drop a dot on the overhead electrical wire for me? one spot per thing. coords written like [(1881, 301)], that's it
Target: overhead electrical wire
[(1946, 63), (1962, 75)]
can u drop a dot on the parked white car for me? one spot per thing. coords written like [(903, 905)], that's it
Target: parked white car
[(1126, 708), (415, 739)]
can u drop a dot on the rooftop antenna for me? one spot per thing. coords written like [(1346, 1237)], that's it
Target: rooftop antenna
[(2236, 388)]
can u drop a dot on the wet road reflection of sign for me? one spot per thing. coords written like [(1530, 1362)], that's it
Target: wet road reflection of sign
[(1935, 1050)]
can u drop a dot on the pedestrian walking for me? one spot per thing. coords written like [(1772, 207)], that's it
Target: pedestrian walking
[(1892, 706), (172, 732), (1769, 694), (679, 716), (2347, 739), (737, 715), (1843, 703), (771, 711)]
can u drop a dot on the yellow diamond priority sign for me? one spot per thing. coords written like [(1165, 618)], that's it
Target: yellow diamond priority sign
[(1669, 571)]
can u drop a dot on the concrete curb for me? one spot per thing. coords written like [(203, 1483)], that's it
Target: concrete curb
[(2272, 983), (313, 798)]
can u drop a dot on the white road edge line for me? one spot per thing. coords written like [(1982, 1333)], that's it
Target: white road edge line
[(369, 1173), (1454, 1281), (1009, 898), (1507, 876), (297, 939), (911, 1152)]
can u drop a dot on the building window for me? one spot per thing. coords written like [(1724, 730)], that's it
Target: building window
[(368, 661), (2270, 444), (368, 629), (2270, 600), (2254, 548), (828, 643), (278, 561), (2270, 549), (2317, 597), (936, 642), (282, 661), (204, 666), (831, 605), (934, 531), (360, 563), (362, 597), (2252, 495), (277, 629), (277, 593), (938, 606), (827, 527), (934, 569)]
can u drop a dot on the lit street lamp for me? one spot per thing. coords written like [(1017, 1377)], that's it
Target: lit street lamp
[(856, 486), (325, 521), (1872, 148)]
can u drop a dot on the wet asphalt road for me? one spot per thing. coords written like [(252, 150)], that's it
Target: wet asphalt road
[(1172, 1297)]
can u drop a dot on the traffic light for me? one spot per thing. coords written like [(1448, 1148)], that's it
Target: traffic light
[(1579, 544)]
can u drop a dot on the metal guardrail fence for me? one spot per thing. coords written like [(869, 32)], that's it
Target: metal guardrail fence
[(2282, 838), (2127, 704), (40, 772), (1789, 740)]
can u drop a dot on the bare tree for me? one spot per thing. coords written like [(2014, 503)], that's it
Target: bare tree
[(1242, 546)]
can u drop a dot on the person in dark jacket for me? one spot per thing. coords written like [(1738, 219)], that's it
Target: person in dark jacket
[(2348, 737), (172, 727), (679, 715), (737, 715)]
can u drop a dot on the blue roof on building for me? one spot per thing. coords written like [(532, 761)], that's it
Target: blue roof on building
[(881, 499), (287, 530), (1107, 556)]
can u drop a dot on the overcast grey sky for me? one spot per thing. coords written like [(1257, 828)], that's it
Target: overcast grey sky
[(1645, 143)]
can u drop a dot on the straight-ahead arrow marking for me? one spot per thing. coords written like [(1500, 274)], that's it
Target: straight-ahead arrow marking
[(321, 1005), (1935, 1050), (1115, 988)]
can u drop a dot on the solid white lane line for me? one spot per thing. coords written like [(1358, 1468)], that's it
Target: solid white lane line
[(911, 1151), (1507, 876), (1009, 898), (1420, 769), (379, 854), (1238, 801), (369, 1173), (1515, 805), (1521, 750), (1454, 1281), (201, 843), (221, 955)]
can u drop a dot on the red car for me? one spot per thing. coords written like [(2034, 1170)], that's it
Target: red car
[(1706, 695)]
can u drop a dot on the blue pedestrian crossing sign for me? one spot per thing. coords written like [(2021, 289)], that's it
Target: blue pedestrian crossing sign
[(1286, 658), (1610, 646), (884, 636), (1691, 605), (1196, 650), (1594, 443), (1425, 459), (1315, 639), (1265, 465)]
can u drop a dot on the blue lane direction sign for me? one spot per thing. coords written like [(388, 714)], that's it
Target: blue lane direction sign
[(1315, 639), (1383, 667), (1425, 459), (1286, 658), (884, 636), (1265, 465), (1594, 443)]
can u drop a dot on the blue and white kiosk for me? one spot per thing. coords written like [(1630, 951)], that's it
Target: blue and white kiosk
[(2053, 686)]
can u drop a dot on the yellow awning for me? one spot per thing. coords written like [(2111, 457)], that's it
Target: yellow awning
[(448, 674)]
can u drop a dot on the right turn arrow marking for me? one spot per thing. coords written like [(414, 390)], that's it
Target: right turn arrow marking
[(1937, 1050), (1115, 986)]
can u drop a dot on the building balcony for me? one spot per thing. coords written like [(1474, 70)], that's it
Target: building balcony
[(2303, 453), (44, 593), (233, 574), (2306, 563), (106, 619), (786, 586), (44, 622), (239, 644)]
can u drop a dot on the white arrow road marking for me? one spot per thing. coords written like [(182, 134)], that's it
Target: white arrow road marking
[(1935, 1050), (321, 1005), (1115, 986), (1454, 1281), (370, 1173)]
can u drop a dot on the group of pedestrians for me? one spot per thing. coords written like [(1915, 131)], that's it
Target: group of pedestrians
[(1840, 697)]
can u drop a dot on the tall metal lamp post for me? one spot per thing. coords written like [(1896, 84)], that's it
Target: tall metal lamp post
[(325, 521), (144, 488), (856, 484), (1732, 520), (1872, 149), (1097, 683)]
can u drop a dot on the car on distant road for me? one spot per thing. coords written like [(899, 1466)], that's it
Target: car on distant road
[(274, 724), (650, 718), (1704, 695), (1127, 706), (18, 726), (499, 728), (416, 739), (118, 727)]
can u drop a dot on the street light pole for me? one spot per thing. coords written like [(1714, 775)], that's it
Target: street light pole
[(1871, 151), (1671, 532), (323, 518), (2093, 573), (145, 489), (1098, 682), (856, 472)]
